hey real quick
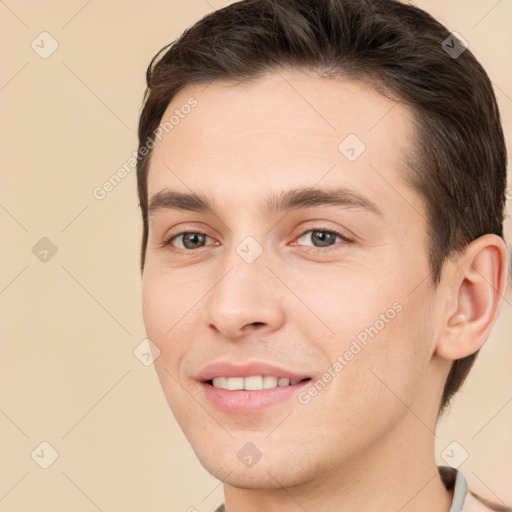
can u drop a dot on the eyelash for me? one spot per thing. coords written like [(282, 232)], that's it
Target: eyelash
[(345, 238)]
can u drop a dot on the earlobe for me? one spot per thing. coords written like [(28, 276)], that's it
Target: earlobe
[(477, 282)]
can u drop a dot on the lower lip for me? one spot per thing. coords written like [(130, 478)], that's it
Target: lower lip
[(249, 402)]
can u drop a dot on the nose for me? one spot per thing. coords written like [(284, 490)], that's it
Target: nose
[(245, 297)]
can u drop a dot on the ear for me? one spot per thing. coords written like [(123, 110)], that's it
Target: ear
[(476, 283)]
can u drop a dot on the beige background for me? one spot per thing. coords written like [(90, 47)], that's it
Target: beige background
[(69, 325)]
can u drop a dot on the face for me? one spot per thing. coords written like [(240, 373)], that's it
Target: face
[(309, 262)]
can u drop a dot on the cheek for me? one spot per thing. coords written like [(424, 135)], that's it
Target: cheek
[(165, 321), (153, 310), (170, 319), (164, 305), (156, 321), (378, 337), (163, 329), (347, 307), (393, 361)]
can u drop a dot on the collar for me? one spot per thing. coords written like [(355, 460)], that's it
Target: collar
[(454, 480)]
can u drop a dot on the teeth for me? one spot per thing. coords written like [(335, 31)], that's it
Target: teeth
[(235, 382), (269, 381), (253, 383), (220, 382)]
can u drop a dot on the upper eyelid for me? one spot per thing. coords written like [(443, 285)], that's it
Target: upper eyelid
[(169, 239), (318, 225), (337, 232)]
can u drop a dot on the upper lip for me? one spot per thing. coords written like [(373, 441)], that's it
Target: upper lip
[(227, 369)]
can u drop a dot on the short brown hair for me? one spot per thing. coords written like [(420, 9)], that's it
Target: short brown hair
[(459, 162)]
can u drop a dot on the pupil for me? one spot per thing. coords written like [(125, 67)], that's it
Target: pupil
[(322, 238), (194, 238)]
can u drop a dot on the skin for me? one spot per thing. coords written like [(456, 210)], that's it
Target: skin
[(366, 441)]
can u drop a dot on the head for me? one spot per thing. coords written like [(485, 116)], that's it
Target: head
[(407, 134)]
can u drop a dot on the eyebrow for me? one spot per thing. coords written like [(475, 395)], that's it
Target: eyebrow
[(294, 199)]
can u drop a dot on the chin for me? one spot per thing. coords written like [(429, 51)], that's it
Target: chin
[(266, 473), (247, 479), (252, 478)]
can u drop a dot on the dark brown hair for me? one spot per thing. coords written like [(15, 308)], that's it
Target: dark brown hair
[(459, 159)]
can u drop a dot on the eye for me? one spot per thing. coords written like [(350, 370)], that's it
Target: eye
[(325, 238), (190, 240), (321, 238)]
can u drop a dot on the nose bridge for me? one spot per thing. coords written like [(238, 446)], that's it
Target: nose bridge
[(244, 291)]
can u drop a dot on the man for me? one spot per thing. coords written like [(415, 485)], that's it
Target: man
[(322, 189)]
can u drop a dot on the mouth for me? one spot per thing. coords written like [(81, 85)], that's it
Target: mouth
[(253, 382), (251, 395), (249, 387)]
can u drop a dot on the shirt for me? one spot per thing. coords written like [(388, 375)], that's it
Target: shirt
[(453, 479)]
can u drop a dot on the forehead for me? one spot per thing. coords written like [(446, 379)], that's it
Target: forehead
[(285, 128)]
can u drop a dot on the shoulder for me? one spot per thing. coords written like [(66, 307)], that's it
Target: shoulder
[(476, 503), (464, 498)]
